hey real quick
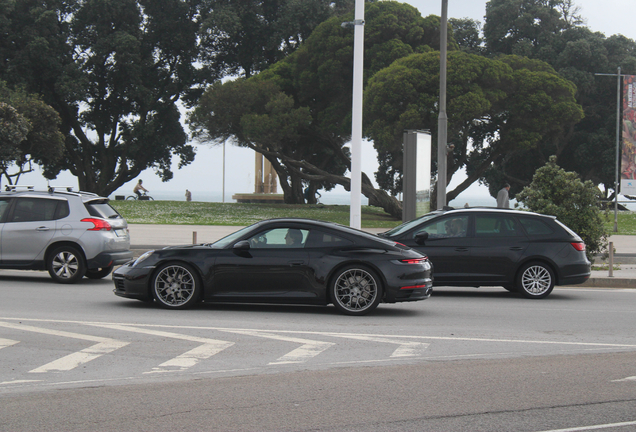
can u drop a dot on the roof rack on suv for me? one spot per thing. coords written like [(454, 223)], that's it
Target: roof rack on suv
[(13, 188), (68, 188)]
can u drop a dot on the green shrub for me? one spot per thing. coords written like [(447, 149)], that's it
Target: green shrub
[(554, 191)]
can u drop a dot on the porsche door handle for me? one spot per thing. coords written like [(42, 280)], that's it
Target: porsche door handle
[(43, 228), (296, 263)]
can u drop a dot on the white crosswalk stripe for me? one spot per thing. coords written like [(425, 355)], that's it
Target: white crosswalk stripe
[(7, 342), (308, 349), (71, 361), (184, 361), (405, 348)]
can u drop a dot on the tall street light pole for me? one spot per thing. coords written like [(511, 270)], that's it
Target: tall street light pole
[(355, 214), (618, 142), (442, 122)]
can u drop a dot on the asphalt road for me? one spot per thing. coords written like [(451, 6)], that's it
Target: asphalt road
[(78, 358)]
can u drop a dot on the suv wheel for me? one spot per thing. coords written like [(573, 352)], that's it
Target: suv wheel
[(66, 265)]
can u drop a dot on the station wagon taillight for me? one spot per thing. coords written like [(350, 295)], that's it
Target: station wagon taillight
[(579, 246), (98, 224)]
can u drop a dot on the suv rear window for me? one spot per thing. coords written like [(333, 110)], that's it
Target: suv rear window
[(101, 209)]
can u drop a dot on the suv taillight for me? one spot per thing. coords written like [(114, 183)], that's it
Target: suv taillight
[(579, 246), (99, 224)]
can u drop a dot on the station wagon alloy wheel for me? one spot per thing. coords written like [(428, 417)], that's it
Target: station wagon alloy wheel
[(536, 280), (356, 291), (176, 286)]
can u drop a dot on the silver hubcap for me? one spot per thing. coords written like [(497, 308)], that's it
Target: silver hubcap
[(536, 280), (356, 290), (174, 285), (65, 265)]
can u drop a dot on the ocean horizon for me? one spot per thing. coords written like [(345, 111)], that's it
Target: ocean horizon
[(328, 198)]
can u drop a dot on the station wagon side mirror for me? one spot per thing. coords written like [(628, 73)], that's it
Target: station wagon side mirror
[(242, 246), (421, 237)]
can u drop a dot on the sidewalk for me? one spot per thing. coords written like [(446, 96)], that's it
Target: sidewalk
[(145, 236)]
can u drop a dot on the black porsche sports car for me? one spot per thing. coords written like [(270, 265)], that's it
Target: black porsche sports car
[(282, 261)]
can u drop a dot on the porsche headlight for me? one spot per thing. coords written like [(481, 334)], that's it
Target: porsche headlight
[(142, 258)]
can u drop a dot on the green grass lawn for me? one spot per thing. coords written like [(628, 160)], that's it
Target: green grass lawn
[(235, 214)]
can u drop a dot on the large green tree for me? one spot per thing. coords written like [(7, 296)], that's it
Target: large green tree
[(318, 78), (29, 133), (496, 108), (114, 71), (552, 31), (245, 37)]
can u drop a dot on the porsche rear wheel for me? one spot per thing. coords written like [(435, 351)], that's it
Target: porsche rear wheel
[(356, 290)]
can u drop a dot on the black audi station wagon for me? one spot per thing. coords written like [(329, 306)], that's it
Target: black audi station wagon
[(519, 250)]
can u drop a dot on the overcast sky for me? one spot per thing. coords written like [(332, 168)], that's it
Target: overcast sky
[(205, 173)]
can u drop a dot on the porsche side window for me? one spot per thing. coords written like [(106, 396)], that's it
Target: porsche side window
[(319, 239), (288, 238)]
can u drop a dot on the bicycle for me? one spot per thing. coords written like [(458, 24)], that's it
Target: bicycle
[(143, 197)]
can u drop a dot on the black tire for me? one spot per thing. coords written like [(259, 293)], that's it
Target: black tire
[(176, 286), (99, 273), (66, 265), (356, 290), (150, 198), (131, 198), (535, 280)]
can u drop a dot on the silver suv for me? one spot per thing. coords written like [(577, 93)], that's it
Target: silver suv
[(70, 234)]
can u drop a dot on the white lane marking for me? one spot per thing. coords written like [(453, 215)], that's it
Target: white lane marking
[(183, 361), (71, 361), (594, 427), (405, 349), (308, 349), (7, 343), (631, 378), (19, 382)]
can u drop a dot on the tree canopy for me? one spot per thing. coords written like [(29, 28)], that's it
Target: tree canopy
[(553, 31), (29, 132), (316, 81), (496, 109)]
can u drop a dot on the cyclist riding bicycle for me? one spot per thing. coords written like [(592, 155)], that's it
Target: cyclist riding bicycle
[(138, 188)]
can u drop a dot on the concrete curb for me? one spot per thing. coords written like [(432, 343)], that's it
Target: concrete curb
[(608, 282)]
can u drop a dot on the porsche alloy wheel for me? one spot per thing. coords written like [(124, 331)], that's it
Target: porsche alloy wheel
[(356, 290), (176, 286)]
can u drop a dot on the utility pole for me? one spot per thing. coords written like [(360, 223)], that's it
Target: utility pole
[(442, 122), (618, 141)]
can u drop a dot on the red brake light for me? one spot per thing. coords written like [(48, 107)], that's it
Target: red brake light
[(413, 287), (98, 224), (579, 246), (414, 260)]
